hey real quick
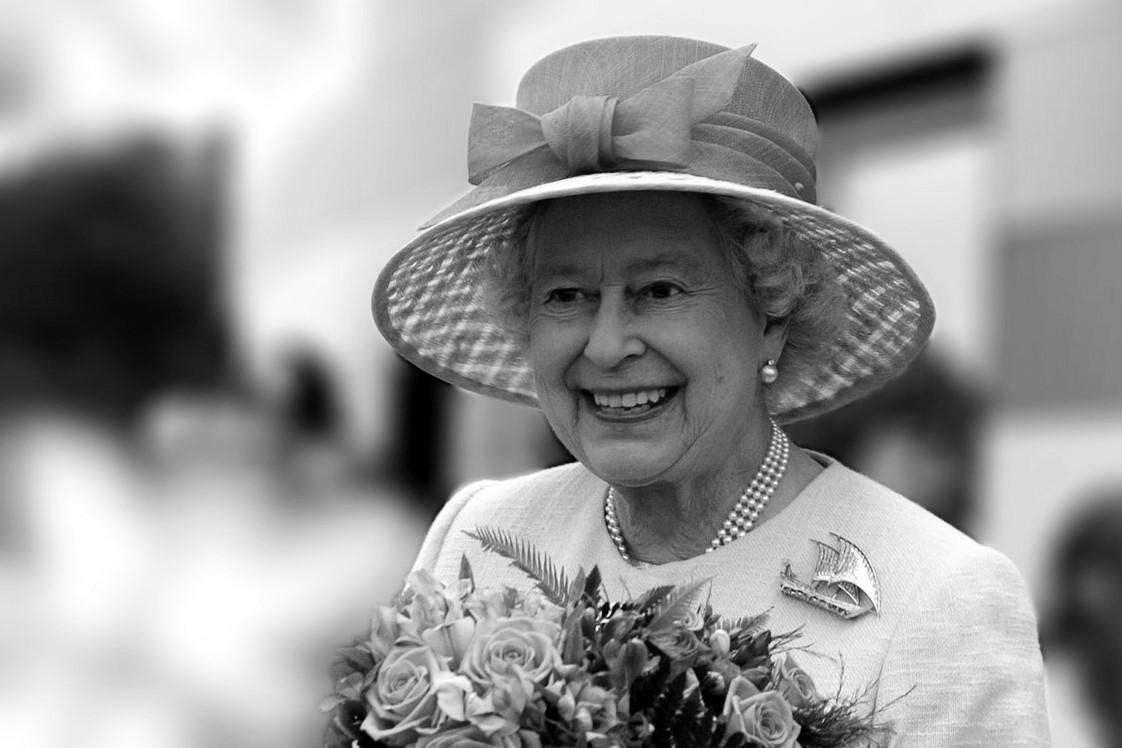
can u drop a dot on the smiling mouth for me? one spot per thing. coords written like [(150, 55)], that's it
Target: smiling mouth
[(635, 403)]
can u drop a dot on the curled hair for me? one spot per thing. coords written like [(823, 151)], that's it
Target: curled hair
[(782, 276), (789, 281)]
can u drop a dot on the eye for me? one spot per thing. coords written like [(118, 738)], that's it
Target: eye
[(563, 296), (661, 290)]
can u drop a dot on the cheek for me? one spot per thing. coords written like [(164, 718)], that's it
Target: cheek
[(544, 363), (551, 350)]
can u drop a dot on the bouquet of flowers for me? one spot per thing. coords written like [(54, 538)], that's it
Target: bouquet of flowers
[(559, 665)]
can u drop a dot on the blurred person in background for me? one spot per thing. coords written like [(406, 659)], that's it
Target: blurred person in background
[(642, 258), (917, 435), (1083, 628), (179, 548), (106, 301)]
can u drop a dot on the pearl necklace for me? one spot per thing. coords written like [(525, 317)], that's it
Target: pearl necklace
[(742, 518)]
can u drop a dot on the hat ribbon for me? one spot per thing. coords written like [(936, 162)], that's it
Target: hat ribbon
[(650, 128)]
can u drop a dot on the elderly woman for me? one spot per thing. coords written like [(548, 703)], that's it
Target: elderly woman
[(642, 258)]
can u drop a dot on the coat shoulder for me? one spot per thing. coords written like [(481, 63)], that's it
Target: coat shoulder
[(896, 523)]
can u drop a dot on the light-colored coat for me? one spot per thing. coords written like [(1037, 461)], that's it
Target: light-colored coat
[(955, 635)]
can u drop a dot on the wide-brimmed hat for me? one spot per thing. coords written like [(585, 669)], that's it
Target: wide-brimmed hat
[(644, 113)]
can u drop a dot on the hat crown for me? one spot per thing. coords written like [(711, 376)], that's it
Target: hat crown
[(622, 66)]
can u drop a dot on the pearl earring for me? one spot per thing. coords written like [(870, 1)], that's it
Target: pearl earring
[(769, 372)]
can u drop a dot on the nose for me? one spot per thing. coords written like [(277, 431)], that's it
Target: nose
[(612, 338)]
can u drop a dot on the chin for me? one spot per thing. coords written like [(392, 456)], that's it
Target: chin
[(624, 469)]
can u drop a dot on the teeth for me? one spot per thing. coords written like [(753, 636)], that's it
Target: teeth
[(628, 399)]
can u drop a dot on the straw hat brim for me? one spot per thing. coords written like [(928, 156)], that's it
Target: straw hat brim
[(427, 303)]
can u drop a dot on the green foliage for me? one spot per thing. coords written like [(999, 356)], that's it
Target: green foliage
[(669, 679), (523, 556), (650, 599), (695, 722), (666, 712), (831, 722), (675, 606), (465, 570)]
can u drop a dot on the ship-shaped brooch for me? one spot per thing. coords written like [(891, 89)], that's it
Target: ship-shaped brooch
[(843, 583)]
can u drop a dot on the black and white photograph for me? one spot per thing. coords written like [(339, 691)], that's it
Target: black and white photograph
[(543, 373)]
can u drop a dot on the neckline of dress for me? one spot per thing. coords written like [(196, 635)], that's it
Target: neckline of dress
[(757, 537)]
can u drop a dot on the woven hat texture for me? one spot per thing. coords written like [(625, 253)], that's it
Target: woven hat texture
[(644, 113)]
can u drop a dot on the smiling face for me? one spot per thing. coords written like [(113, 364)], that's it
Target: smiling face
[(645, 351)]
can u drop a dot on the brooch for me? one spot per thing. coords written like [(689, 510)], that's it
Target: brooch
[(843, 583)]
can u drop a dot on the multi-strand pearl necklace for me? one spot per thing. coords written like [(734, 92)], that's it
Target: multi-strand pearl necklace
[(748, 507)]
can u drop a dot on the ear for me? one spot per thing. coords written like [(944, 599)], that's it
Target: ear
[(775, 338)]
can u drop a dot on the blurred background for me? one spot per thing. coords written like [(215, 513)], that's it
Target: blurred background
[(211, 466)]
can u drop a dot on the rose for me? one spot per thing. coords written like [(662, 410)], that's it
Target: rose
[(761, 716), (402, 698), (459, 737), (794, 684), (506, 647)]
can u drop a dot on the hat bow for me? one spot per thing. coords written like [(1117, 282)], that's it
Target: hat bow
[(649, 128)]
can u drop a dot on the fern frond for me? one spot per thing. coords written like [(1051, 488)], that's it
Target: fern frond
[(829, 723), (652, 598), (747, 624), (526, 558), (675, 606)]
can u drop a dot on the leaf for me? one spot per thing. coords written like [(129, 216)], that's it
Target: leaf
[(629, 664), (576, 587), (645, 690), (717, 739), (666, 709), (746, 624), (343, 729), (362, 659), (526, 558), (695, 723), (737, 741), (675, 606), (650, 599), (572, 645), (465, 570), (592, 586)]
